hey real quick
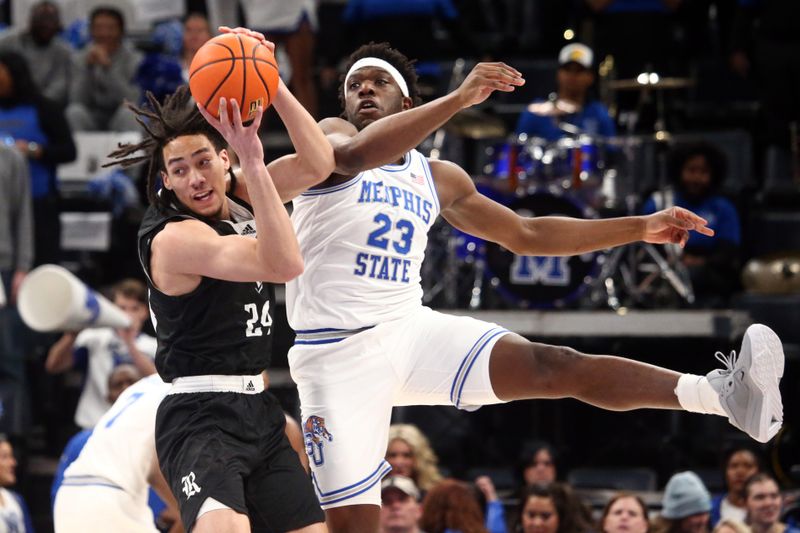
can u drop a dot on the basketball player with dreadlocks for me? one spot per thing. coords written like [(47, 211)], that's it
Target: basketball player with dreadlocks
[(364, 341), (210, 258)]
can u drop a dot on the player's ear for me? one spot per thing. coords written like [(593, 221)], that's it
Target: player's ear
[(408, 103), (165, 180), (226, 160)]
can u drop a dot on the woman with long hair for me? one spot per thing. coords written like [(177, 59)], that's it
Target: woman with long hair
[(552, 508), (410, 454)]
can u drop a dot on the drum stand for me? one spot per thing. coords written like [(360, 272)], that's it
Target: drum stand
[(635, 260)]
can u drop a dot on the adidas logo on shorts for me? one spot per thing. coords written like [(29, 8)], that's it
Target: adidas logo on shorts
[(250, 387)]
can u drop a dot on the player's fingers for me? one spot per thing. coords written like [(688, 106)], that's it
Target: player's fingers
[(236, 115), (679, 222), (257, 119), (223, 113), (211, 119), (511, 69)]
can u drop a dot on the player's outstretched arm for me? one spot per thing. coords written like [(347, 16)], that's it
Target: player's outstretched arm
[(387, 139), (468, 210), (313, 159)]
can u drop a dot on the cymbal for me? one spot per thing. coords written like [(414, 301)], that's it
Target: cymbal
[(550, 108), (662, 83), (477, 125)]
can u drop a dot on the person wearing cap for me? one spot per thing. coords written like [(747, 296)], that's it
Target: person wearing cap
[(686, 506), (400, 509), (571, 103)]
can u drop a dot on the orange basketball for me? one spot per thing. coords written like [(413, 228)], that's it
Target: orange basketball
[(236, 67)]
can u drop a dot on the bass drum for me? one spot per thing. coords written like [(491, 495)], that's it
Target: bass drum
[(543, 282)]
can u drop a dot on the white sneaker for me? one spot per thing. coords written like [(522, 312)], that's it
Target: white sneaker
[(748, 385)]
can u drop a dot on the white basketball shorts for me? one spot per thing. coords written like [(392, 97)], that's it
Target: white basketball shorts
[(79, 509), (349, 382)]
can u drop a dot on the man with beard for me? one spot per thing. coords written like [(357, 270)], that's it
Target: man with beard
[(697, 171)]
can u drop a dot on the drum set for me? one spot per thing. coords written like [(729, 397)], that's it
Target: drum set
[(578, 175)]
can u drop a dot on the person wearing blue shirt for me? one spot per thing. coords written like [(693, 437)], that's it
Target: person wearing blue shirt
[(698, 170), (14, 514), (571, 103)]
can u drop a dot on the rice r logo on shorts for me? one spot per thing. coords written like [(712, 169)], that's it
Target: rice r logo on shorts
[(190, 488)]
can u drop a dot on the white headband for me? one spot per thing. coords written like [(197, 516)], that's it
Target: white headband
[(379, 63)]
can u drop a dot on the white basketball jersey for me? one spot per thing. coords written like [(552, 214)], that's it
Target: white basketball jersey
[(363, 242), (105, 351), (122, 446)]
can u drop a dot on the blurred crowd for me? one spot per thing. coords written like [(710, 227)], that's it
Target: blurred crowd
[(734, 66)]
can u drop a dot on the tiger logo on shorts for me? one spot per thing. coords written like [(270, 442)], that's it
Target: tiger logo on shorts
[(315, 434)]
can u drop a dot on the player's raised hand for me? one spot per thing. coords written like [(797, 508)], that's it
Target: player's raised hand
[(242, 139), (673, 226), (485, 78), (250, 33)]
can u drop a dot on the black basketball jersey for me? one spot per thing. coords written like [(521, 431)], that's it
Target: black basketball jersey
[(221, 327)]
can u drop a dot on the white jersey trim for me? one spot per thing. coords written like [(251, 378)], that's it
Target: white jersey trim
[(349, 183)]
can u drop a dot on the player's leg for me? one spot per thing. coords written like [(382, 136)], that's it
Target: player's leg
[(222, 521), (521, 369), (746, 390), (346, 390)]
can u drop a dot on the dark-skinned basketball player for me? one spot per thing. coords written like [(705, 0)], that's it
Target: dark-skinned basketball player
[(364, 341)]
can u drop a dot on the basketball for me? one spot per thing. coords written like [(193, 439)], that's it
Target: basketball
[(236, 67)]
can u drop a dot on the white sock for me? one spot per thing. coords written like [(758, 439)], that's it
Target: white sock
[(696, 395)]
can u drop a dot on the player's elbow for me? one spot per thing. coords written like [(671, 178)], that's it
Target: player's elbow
[(524, 240), (348, 160), (288, 269)]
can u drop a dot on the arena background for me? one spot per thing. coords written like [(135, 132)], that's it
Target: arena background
[(694, 45)]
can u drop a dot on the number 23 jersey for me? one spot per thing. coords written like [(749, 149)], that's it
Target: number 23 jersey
[(363, 242)]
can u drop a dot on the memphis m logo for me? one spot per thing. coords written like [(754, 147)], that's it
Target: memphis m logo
[(534, 270), (315, 434)]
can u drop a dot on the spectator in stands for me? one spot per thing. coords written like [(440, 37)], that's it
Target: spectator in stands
[(400, 508), (37, 128), (767, 35), (408, 26), (537, 464), (739, 464), (697, 171), (686, 506), (552, 508), (764, 505), (48, 55), (196, 31), (451, 507), (625, 513), (104, 77), (16, 259), (572, 103), (102, 349), (410, 454), (494, 511), (727, 525), (14, 515)]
